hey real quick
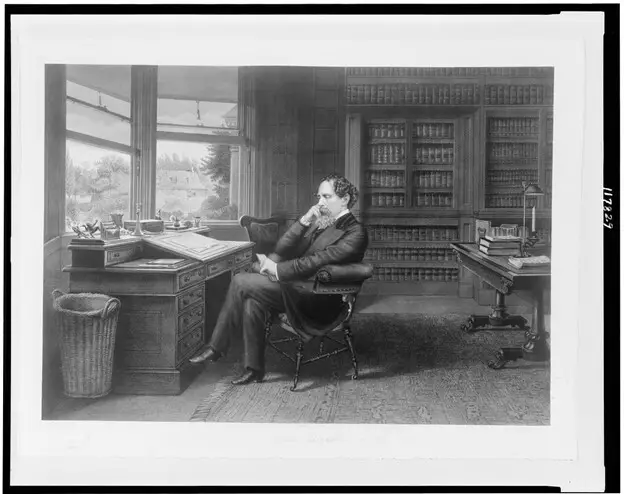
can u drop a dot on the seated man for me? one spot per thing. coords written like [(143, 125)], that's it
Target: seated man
[(327, 234)]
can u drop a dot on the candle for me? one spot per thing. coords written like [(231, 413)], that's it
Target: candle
[(533, 220)]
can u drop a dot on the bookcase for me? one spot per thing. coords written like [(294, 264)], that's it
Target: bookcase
[(435, 148), (512, 156), (409, 176)]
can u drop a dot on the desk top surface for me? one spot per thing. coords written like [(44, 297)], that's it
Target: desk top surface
[(499, 264)]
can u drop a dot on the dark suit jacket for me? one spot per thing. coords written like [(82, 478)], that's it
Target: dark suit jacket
[(299, 254)]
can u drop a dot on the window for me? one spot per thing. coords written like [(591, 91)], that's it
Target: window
[(194, 170), (195, 179), (97, 183), (197, 148), (98, 157)]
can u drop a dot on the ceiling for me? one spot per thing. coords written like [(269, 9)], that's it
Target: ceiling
[(218, 84)]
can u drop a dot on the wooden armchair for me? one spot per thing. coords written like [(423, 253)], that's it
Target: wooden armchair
[(344, 280)]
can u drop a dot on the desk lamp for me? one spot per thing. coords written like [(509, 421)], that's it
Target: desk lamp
[(529, 190)]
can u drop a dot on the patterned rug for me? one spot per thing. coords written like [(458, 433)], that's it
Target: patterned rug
[(414, 369)]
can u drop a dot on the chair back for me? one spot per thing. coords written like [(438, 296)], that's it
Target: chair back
[(263, 232)]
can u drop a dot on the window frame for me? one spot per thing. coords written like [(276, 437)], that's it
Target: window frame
[(201, 138), (102, 143), (142, 150)]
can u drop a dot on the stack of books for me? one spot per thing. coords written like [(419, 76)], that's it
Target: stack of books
[(500, 246)]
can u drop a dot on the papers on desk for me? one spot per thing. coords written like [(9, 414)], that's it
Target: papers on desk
[(189, 245), (529, 262), (153, 263)]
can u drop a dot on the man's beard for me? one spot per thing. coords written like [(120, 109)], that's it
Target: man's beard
[(324, 221)]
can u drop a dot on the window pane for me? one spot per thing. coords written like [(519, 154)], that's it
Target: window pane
[(98, 98), (185, 112), (194, 179), (96, 123), (97, 183)]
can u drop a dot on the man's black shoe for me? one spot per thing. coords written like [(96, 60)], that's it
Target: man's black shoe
[(210, 354), (249, 376)]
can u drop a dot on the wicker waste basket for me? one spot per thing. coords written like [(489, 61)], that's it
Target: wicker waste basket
[(88, 323)]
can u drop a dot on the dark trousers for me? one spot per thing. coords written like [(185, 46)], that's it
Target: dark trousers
[(249, 298)]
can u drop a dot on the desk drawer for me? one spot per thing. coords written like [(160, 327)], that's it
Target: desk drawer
[(191, 277), (190, 343), (242, 269), (242, 257), (185, 300), (190, 318), (220, 266), (122, 254)]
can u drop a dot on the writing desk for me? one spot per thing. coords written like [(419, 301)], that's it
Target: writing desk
[(497, 272), (167, 311)]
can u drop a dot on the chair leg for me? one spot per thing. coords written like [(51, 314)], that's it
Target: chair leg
[(349, 339), (299, 358), (267, 330)]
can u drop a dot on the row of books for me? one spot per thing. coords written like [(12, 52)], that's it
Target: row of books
[(549, 152), (400, 233), (449, 71), (520, 127), (431, 155), (413, 94), (504, 200), (512, 176), (502, 94), (511, 161), (381, 273), (386, 153), (500, 246), (387, 200), (435, 200), (410, 254), (505, 150), (433, 131), (385, 178), (386, 131), (434, 180)]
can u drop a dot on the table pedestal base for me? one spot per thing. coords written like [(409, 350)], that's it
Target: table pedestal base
[(534, 349), (475, 322), (498, 318)]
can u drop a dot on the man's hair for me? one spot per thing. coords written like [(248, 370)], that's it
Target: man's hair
[(342, 187)]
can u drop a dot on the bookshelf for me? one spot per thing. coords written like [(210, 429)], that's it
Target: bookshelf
[(385, 179), (432, 159), (434, 148), (548, 162), (512, 156), (402, 253)]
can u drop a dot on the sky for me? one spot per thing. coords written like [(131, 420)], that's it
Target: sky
[(93, 122)]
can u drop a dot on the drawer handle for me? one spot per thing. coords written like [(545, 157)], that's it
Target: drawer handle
[(213, 268), (230, 262), (116, 254), (199, 273)]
